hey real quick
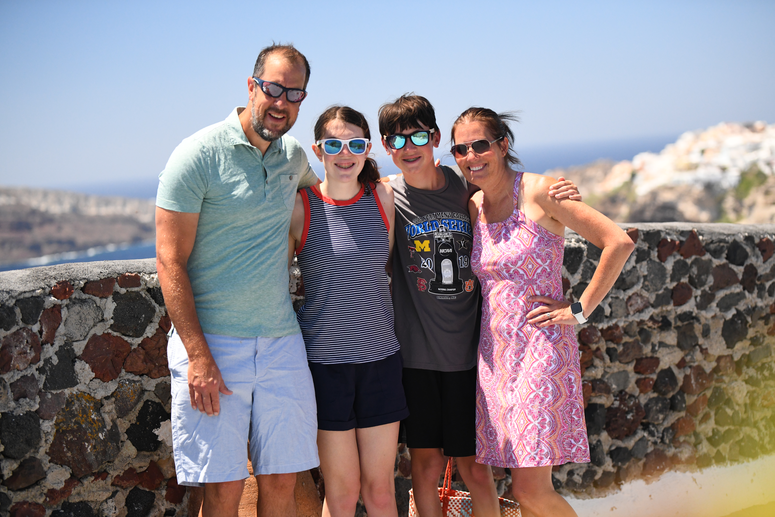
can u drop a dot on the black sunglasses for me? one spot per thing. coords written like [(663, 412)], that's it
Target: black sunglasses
[(479, 147), (274, 90), (418, 138)]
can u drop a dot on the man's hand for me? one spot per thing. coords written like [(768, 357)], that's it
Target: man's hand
[(204, 385), (175, 236), (565, 189)]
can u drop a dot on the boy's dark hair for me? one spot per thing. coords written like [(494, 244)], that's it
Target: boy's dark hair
[(289, 52), (409, 110), (370, 172)]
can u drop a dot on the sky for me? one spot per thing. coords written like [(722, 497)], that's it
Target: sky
[(100, 93)]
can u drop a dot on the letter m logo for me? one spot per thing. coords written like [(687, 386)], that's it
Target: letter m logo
[(422, 246)]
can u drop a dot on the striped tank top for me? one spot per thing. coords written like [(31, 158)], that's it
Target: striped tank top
[(347, 316)]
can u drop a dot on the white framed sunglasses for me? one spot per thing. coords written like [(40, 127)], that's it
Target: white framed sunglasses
[(332, 146)]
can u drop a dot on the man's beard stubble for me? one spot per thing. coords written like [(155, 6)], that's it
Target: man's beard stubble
[(263, 132)]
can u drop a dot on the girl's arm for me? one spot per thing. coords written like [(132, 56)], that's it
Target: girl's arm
[(297, 227), (386, 199)]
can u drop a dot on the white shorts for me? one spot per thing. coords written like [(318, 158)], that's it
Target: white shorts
[(272, 407)]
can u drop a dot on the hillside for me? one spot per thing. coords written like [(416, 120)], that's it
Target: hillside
[(725, 173), (36, 222)]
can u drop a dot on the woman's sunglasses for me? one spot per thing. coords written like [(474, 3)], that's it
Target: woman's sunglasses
[(418, 138), (274, 90), (334, 145), (479, 147)]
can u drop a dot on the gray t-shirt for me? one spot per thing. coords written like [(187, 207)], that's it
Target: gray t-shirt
[(435, 293)]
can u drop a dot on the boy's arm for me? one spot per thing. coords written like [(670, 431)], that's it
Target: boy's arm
[(565, 189)]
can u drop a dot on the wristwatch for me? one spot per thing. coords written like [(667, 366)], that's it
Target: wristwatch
[(578, 312)]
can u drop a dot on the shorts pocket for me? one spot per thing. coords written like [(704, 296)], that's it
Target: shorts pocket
[(177, 358)]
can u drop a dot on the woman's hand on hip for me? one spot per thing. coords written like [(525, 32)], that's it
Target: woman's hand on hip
[(551, 312)]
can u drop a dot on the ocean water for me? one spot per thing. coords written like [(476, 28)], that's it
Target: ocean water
[(109, 252), (537, 159), (540, 159)]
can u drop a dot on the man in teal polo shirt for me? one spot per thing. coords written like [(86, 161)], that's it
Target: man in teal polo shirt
[(237, 359)]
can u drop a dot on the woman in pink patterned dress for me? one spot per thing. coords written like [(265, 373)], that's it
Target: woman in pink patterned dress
[(530, 413)]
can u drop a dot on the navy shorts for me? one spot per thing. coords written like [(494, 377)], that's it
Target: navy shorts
[(442, 408), (351, 396)]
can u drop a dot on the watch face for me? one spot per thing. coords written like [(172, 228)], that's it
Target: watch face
[(575, 308)]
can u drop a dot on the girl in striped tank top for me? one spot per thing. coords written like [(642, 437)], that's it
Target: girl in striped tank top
[(342, 234)]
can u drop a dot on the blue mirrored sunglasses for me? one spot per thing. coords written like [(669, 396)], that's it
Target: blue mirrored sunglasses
[(418, 138), (335, 145)]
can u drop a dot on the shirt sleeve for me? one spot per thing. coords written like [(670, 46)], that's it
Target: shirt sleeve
[(470, 186), (307, 178), (183, 182), (299, 162), (472, 189)]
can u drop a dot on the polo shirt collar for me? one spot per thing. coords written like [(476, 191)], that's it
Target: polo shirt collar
[(237, 135)]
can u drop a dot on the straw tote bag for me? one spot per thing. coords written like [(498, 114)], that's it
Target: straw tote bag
[(456, 503)]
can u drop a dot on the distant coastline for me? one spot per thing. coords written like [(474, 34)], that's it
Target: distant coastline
[(107, 252), (538, 159)]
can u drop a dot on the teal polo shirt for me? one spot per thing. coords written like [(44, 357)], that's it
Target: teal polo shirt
[(238, 267)]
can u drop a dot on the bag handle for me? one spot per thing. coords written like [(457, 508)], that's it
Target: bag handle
[(448, 476), (444, 491)]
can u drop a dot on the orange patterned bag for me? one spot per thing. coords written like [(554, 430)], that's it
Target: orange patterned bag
[(456, 503)]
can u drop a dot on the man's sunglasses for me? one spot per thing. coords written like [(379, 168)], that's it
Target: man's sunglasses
[(479, 147), (274, 90), (334, 145), (418, 138)]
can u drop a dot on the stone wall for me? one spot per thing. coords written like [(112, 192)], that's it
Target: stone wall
[(678, 363), (84, 394)]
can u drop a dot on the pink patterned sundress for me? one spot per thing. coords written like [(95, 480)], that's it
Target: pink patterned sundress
[(529, 405)]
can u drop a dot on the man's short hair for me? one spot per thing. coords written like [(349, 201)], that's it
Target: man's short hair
[(288, 51), (407, 111)]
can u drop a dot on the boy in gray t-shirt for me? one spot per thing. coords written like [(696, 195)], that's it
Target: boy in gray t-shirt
[(436, 304)]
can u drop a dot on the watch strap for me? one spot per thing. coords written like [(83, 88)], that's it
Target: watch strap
[(578, 312)]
